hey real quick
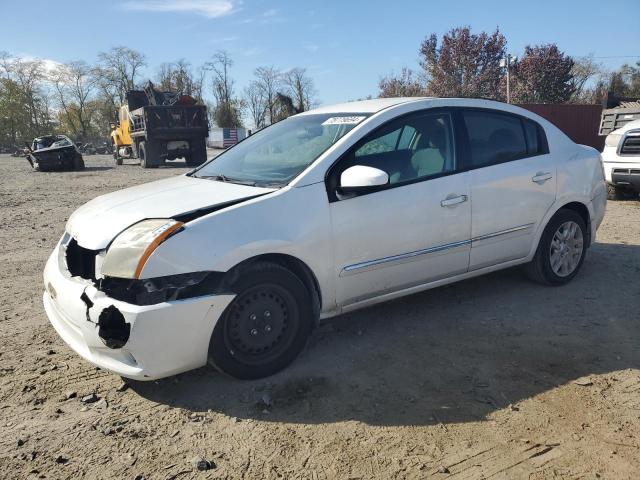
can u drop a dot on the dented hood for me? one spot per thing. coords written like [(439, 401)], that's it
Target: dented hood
[(97, 222)]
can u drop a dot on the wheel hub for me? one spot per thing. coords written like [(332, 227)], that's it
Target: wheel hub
[(566, 249), (258, 321)]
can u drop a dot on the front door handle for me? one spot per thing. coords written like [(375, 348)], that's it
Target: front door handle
[(541, 177), (450, 201)]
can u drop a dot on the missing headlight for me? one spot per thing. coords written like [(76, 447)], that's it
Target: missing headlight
[(162, 289)]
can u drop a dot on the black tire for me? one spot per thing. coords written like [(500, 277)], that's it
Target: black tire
[(116, 155), (198, 153), (265, 327), (540, 268), (145, 154), (78, 162), (615, 193)]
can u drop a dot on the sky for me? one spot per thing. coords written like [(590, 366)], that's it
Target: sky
[(345, 45)]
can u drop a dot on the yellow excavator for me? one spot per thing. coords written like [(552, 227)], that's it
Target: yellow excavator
[(155, 126)]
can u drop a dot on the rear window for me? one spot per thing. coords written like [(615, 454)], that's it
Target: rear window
[(494, 137)]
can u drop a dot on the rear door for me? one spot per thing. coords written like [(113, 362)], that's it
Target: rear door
[(513, 184)]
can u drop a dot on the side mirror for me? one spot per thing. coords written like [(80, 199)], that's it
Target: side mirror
[(360, 177), (112, 125)]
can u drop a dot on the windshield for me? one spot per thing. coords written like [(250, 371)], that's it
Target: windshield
[(53, 142), (275, 155)]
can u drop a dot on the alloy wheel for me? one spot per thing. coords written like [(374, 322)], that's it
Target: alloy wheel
[(566, 249)]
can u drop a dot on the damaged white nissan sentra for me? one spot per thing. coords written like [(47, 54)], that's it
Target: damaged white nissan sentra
[(325, 212)]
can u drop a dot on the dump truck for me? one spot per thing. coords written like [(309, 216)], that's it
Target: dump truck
[(155, 126)]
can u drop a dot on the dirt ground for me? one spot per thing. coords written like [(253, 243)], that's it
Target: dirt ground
[(494, 377)]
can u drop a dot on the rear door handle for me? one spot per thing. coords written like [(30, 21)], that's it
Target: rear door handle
[(541, 177), (450, 201)]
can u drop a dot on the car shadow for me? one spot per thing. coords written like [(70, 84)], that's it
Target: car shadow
[(449, 355), (85, 169), (96, 169), (166, 164)]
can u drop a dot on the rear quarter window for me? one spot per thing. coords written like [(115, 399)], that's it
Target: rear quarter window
[(536, 139)]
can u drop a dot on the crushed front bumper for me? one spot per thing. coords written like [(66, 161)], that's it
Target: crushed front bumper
[(165, 339)]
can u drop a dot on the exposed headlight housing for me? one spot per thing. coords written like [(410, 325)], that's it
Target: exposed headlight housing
[(130, 250), (612, 140)]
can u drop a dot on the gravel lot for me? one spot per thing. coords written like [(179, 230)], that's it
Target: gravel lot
[(494, 377)]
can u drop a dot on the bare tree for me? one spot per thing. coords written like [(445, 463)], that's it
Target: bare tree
[(256, 105), (584, 69), (300, 88), (179, 77), (268, 80), (5, 64), (27, 79), (74, 85), (222, 83), (119, 69), (228, 108)]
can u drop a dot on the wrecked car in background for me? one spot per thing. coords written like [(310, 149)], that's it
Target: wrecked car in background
[(54, 152)]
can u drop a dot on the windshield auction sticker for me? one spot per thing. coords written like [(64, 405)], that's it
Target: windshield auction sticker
[(343, 120)]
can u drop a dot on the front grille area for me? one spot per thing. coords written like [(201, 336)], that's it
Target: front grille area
[(627, 171), (81, 262), (631, 146)]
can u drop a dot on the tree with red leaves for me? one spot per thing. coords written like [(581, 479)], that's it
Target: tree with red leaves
[(464, 64), (543, 75)]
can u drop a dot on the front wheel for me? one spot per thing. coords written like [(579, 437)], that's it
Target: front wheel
[(619, 193), (116, 155), (561, 251), (265, 327)]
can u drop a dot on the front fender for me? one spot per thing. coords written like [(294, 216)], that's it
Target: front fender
[(292, 221)]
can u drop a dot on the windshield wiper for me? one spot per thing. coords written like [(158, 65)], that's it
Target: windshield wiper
[(219, 178), (224, 178)]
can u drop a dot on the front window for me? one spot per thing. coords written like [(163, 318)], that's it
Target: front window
[(277, 154), (410, 148)]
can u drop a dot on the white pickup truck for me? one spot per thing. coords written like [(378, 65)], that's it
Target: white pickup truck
[(621, 160)]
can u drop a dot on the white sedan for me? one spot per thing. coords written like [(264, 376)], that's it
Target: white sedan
[(332, 210)]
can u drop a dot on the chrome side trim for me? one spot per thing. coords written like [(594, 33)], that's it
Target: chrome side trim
[(503, 232), (409, 256), (359, 267)]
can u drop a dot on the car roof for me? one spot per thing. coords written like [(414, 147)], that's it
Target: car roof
[(364, 106)]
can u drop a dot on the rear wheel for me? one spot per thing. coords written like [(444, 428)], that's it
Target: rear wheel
[(265, 327), (145, 154), (561, 251), (198, 154)]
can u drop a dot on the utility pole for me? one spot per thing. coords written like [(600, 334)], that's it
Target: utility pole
[(506, 63)]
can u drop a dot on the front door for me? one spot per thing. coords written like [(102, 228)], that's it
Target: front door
[(412, 231)]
